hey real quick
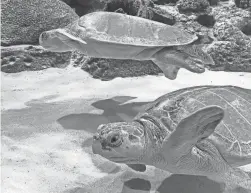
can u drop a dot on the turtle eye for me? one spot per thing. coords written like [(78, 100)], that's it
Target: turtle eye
[(115, 140)]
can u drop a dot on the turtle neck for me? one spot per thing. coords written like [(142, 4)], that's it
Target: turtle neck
[(154, 131)]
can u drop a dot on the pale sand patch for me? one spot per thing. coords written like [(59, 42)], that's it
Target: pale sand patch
[(70, 83)]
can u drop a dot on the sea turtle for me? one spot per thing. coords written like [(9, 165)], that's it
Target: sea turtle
[(203, 130), (120, 36)]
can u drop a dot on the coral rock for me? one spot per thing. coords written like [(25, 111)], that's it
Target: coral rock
[(31, 58), (23, 21), (192, 5), (108, 69)]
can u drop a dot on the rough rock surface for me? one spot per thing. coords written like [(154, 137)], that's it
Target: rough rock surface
[(243, 3), (141, 8), (31, 58), (192, 5), (23, 21), (232, 48), (164, 2), (108, 69)]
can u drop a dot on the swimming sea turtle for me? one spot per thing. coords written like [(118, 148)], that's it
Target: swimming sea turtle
[(204, 130), (120, 36)]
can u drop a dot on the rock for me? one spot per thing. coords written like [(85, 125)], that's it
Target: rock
[(120, 10), (206, 20), (140, 8), (230, 56), (232, 49), (243, 3), (108, 69), (83, 7), (163, 2), (213, 2), (23, 21), (162, 16), (31, 58), (224, 31), (192, 5)]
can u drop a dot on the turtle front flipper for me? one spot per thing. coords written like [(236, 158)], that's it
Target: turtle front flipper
[(70, 40), (190, 131), (170, 71)]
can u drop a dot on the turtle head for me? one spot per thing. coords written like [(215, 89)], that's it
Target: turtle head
[(51, 41), (120, 142), (61, 40)]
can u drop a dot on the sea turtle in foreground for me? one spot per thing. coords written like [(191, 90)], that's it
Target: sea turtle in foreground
[(120, 36), (204, 130)]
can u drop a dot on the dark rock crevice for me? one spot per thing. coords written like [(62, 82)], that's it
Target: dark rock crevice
[(206, 20)]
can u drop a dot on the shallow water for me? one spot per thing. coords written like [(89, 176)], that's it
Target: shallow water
[(48, 119)]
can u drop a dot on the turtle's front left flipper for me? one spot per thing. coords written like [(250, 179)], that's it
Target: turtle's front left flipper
[(170, 71), (192, 130), (70, 40)]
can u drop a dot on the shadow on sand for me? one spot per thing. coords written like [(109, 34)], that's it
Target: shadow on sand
[(115, 111)]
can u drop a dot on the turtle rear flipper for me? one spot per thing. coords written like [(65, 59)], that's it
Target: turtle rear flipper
[(170, 60), (192, 130)]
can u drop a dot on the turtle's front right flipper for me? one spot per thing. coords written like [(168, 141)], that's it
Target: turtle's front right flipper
[(191, 130), (170, 71)]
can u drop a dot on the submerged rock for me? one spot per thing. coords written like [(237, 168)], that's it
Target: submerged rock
[(231, 50), (23, 21), (243, 3), (192, 5), (140, 8), (31, 58), (108, 69)]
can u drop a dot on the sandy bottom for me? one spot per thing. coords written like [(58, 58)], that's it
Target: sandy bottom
[(48, 118)]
